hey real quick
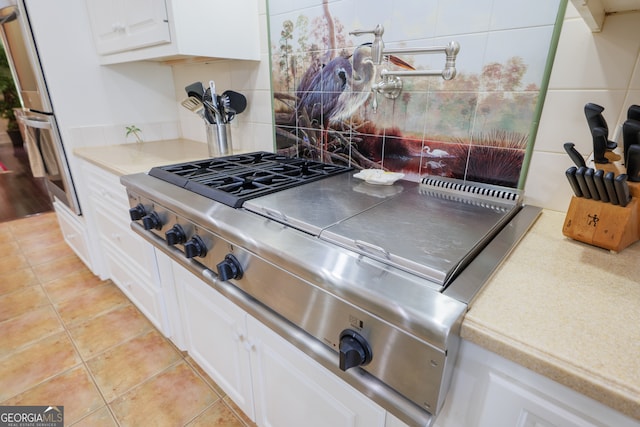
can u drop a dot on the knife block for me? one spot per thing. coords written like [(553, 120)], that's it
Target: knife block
[(603, 224)]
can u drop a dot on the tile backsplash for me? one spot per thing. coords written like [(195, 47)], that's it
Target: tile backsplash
[(474, 127)]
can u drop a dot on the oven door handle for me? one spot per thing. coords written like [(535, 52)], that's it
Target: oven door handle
[(34, 122)]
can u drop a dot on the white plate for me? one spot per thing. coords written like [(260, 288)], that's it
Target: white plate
[(378, 176)]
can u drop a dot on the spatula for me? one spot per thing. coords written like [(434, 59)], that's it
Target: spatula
[(194, 104)]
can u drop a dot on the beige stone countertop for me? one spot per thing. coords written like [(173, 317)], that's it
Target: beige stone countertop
[(136, 157), (567, 310)]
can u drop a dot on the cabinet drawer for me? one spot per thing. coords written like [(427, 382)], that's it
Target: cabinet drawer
[(122, 239), (74, 233), (140, 290), (105, 187)]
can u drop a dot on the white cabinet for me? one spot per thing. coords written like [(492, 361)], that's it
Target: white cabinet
[(74, 231), (215, 336), (128, 24), (273, 382), (490, 391), (168, 30), (130, 261)]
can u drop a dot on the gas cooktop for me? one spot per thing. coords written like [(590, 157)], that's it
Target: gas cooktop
[(232, 180)]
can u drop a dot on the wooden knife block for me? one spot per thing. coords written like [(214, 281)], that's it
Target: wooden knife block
[(603, 224)]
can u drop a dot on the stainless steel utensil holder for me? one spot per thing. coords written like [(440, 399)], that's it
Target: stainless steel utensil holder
[(219, 139)]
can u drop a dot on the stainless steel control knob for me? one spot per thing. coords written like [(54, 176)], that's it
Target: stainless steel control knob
[(354, 350)]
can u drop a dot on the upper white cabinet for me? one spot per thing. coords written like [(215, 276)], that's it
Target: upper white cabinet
[(593, 12), (168, 30), (132, 24)]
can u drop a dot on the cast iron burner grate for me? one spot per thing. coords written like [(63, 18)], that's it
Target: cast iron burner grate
[(232, 180)]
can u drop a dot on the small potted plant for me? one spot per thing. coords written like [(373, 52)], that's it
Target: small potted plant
[(10, 100)]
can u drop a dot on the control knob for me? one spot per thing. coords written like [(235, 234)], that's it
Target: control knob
[(195, 247), (137, 212), (175, 235), (229, 268), (152, 221), (354, 350)]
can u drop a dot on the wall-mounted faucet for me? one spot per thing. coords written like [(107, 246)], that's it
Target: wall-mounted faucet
[(391, 84)]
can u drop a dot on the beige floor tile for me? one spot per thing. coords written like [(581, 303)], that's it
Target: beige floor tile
[(17, 279), (236, 410), (13, 262), (131, 363), (21, 301), (27, 328), (5, 232), (172, 398), (218, 415), (204, 376), (35, 241), (109, 329), (72, 389), (101, 418), (59, 268), (51, 253), (36, 363), (72, 285), (34, 225), (8, 247), (91, 303)]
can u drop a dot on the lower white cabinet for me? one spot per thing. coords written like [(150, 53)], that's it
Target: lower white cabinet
[(74, 232), (273, 382)]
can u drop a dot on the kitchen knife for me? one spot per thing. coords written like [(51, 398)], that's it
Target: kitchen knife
[(599, 145), (622, 189), (577, 158), (595, 119), (598, 177), (611, 190), (588, 177), (633, 163), (584, 189), (633, 112), (573, 181), (630, 135)]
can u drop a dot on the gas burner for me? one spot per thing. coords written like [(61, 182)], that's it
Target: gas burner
[(232, 180)]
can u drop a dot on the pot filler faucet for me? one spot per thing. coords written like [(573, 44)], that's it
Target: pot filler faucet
[(391, 84)]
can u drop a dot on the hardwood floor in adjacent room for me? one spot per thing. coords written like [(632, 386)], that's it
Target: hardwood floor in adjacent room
[(21, 194)]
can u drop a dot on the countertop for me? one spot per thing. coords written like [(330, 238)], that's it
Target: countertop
[(567, 310), (559, 307)]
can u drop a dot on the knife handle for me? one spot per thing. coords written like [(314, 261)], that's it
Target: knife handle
[(611, 189), (598, 177), (622, 189), (584, 189), (599, 145), (630, 136), (588, 177), (577, 158), (573, 181), (633, 163)]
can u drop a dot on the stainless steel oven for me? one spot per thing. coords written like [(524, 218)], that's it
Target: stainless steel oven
[(43, 143)]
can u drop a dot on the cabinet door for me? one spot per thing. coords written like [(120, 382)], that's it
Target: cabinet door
[(215, 335), (119, 25), (291, 389)]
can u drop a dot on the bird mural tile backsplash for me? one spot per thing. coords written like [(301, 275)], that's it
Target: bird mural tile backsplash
[(475, 126)]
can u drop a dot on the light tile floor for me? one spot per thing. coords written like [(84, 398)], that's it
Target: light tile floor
[(69, 338)]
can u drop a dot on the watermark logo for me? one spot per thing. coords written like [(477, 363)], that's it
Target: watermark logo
[(31, 416)]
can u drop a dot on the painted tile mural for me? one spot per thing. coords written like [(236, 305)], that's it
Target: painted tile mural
[(473, 127)]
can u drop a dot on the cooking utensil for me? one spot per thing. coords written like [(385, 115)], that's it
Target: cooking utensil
[(630, 135), (633, 163), (195, 105), (577, 158), (595, 119), (195, 89), (584, 189), (213, 112), (622, 189), (214, 94), (236, 100), (588, 177), (573, 181), (598, 177), (611, 190)]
